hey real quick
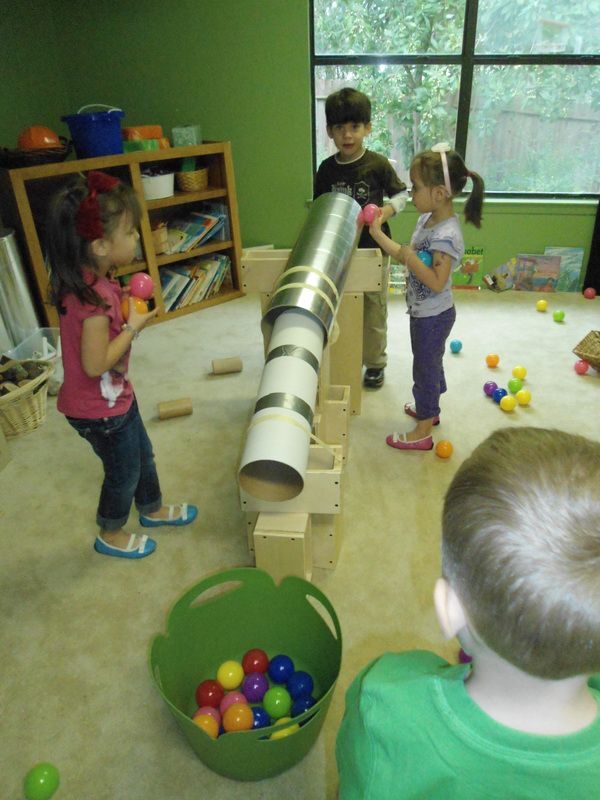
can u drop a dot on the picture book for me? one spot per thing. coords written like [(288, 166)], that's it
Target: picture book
[(172, 282), (188, 232), (202, 278), (571, 264), (503, 277), (469, 273), (536, 273)]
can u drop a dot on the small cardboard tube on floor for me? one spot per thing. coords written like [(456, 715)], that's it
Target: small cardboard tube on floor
[(175, 408), (221, 366)]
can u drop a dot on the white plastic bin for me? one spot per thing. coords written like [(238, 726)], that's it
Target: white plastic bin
[(42, 345)]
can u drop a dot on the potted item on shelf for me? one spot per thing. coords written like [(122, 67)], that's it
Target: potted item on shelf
[(158, 184)]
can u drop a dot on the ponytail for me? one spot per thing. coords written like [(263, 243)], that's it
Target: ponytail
[(474, 204)]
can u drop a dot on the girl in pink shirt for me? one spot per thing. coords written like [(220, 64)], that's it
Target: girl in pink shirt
[(92, 228)]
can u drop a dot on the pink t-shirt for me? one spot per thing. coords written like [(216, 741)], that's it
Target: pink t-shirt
[(80, 396)]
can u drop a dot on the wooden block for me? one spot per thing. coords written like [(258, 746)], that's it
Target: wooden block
[(222, 366), (261, 269), (326, 535), (250, 525), (331, 424), (346, 353), (282, 545), (322, 486)]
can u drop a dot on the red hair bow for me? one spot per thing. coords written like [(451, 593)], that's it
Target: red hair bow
[(88, 221)]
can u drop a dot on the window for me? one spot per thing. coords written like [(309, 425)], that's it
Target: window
[(514, 85)]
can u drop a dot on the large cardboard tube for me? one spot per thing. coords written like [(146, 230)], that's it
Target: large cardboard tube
[(175, 408)]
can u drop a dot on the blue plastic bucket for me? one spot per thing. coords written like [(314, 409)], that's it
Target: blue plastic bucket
[(96, 133)]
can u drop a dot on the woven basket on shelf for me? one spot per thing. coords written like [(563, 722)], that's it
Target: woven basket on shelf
[(24, 409), (589, 349), (195, 181)]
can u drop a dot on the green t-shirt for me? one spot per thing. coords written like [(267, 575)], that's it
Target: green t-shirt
[(411, 731)]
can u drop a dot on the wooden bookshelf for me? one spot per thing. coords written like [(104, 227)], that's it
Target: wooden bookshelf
[(26, 193)]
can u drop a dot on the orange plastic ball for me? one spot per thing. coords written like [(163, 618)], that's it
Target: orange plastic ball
[(208, 724), (141, 306), (238, 717), (492, 360), (444, 449)]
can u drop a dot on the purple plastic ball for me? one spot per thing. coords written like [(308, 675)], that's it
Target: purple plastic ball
[(281, 668), (499, 394), (254, 686), (489, 387), (300, 684)]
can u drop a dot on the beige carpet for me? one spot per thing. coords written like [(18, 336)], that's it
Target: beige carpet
[(76, 626)]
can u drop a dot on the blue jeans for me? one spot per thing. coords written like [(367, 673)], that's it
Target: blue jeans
[(428, 339), (125, 450)]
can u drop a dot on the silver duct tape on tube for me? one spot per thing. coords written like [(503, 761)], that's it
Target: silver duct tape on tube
[(296, 325)]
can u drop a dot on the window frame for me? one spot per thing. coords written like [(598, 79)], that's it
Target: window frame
[(467, 60)]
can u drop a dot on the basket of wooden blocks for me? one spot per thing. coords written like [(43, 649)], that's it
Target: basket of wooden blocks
[(23, 395)]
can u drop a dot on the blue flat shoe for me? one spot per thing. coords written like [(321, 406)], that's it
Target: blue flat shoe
[(145, 547), (187, 513)]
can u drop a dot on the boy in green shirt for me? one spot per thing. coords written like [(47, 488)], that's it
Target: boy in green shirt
[(521, 590), (367, 177)]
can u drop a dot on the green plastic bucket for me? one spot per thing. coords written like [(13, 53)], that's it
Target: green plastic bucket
[(221, 618)]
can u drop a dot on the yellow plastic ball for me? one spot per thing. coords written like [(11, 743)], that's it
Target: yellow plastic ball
[(519, 372), (208, 724), (287, 731), (230, 675), (508, 403), (541, 305), (523, 397)]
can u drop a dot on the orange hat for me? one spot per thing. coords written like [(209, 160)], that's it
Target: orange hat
[(37, 137)]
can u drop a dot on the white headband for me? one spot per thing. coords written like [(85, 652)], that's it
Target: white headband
[(442, 148)]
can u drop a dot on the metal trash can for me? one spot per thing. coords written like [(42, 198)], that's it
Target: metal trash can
[(16, 304)]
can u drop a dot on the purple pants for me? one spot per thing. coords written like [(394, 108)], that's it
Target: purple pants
[(428, 341)]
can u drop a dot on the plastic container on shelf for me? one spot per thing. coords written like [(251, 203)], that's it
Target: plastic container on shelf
[(96, 133), (158, 186)]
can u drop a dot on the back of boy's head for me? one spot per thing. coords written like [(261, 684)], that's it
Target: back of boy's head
[(347, 105), (521, 548), (429, 166)]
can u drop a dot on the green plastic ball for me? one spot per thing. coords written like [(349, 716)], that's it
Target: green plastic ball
[(41, 782), (277, 702), (515, 385)]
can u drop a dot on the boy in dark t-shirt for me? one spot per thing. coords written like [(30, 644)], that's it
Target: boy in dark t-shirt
[(367, 177)]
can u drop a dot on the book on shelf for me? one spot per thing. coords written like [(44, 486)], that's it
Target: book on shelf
[(194, 281), (219, 209), (190, 231), (536, 273), (172, 282)]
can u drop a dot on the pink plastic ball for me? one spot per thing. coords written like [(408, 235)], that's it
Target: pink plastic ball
[(589, 293), (369, 213), (208, 711), (231, 698), (141, 285), (581, 367)]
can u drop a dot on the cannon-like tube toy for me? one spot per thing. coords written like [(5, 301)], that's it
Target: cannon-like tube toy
[(297, 325)]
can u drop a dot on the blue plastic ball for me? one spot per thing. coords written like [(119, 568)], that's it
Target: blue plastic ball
[(261, 718), (281, 668), (499, 394), (425, 257), (456, 345), (300, 684), (302, 704)]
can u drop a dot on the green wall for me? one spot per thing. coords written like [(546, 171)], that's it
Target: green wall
[(239, 68), (31, 77)]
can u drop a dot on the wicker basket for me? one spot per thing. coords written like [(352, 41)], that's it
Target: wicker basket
[(195, 181), (24, 409), (589, 349)]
